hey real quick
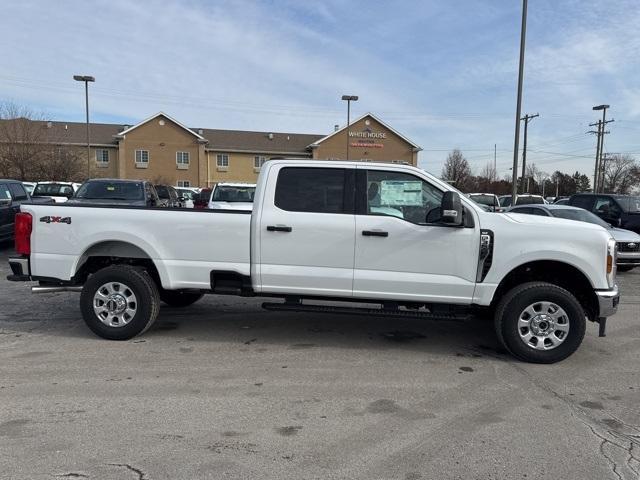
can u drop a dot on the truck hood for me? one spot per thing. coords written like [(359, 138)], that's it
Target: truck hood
[(622, 235), (550, 222)]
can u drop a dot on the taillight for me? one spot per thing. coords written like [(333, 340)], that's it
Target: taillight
[(23, 233)]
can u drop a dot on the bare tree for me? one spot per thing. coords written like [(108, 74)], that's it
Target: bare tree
[(62, 163), (489, 173), (23, 142), (621, 174), (456, 169)]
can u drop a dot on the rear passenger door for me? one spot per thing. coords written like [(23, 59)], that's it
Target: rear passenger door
[(306, 231)]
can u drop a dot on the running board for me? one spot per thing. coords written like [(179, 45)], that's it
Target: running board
[(379, 312)]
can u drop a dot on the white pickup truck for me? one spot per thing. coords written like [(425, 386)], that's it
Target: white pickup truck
[(374, 239)]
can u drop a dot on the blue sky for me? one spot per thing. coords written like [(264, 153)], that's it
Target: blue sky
[(441, 72)]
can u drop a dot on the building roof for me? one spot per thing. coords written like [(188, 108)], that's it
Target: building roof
[(273, 142), (368, 114), (76, 133), (162, 114)]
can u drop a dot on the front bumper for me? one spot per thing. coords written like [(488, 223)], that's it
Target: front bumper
[(628, 258), (608, 301)]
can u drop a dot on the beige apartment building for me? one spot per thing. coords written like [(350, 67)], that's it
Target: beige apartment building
[(163, 150)]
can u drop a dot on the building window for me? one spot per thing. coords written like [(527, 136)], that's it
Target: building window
[(184, 183), (182, 160), (258, 161), (102, 157), (142, 158), (222, 160)]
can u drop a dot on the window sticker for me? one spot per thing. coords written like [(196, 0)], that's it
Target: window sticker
[(396, 192)]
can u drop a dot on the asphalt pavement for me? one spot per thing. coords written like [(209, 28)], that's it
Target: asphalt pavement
[(224, 389)]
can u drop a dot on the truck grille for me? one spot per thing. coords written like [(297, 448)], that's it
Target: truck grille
[(628, 246)]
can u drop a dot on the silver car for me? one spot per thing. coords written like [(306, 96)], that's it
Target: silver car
[(628, 242)]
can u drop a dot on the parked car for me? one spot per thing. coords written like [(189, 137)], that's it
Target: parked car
[(628, 242), (186, 196), (523, 199), (12, 195), (168, 196), (201, 200), (29, 186), (232, 196), (116, 192), (59, 191), (491, 201), (618, 210), (314, 233)]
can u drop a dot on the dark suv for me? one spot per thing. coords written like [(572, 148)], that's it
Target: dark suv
[(618, 210), (12, 195), (116, 192)]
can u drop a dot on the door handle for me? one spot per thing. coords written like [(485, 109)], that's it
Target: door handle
[(278, 228), (374, 233)]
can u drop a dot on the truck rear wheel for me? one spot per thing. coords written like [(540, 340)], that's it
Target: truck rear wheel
[(179, 298), (540, 322), (119, 302)]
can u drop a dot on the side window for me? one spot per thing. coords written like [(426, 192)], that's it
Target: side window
[(319, 190), (5, 194), (401, 195), (606, 207), (18, 191), (525, 210), (582, 201)]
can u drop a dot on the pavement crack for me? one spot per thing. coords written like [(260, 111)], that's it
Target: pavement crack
[(140, 473), (72, 475)]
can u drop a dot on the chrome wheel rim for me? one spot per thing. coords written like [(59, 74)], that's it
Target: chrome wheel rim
[(115, 304), (543, 326)]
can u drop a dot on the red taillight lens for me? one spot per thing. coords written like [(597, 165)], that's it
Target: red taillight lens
[(23, 233)]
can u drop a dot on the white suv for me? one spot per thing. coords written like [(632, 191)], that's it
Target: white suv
[(232, 196)]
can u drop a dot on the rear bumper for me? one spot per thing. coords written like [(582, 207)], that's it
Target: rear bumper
[(19, 269), (608, 302)]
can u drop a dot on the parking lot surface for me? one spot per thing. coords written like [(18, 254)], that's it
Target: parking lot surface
[(223, 389)]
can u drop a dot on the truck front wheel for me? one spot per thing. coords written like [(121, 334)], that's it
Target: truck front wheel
[(119, 302), (540, 322)]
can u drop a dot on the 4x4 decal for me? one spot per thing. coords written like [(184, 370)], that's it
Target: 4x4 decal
[(66, 220)]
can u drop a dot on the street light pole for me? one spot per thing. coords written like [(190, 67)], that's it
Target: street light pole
[(349, 99), (86, 79), (516, 141)]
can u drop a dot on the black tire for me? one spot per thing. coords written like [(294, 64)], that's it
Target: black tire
[(625, 268), (179, 298), (514, 303), (147, 304)]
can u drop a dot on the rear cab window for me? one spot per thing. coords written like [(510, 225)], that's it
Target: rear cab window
[(312, 190), (5, 194)]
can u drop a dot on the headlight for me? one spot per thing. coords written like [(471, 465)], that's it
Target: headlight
[(612, 254)]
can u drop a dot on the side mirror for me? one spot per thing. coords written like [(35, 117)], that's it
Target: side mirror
[(451, 209), (617, 222)]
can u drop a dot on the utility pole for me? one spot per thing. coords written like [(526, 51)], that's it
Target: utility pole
[(86, 79), (557, 185), (526, 119), (600, 143), (516, 140), (495, 154), (603, 166), (349, 99)]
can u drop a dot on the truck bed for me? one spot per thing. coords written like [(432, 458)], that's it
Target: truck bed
[(184, 244)]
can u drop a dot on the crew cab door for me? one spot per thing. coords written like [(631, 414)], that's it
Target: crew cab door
[(306, 230), (398, 255)]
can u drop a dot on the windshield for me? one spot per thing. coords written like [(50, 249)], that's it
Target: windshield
[(233, 194), (580, 215), (522, 200), (484, 199), (111, 190), (188, 194), (52, 189)]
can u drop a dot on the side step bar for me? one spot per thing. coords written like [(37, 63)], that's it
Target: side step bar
[(56, 289), (380, 312)]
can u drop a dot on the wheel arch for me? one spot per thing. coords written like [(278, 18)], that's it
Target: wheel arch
[(556, 272), (103, 253)]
